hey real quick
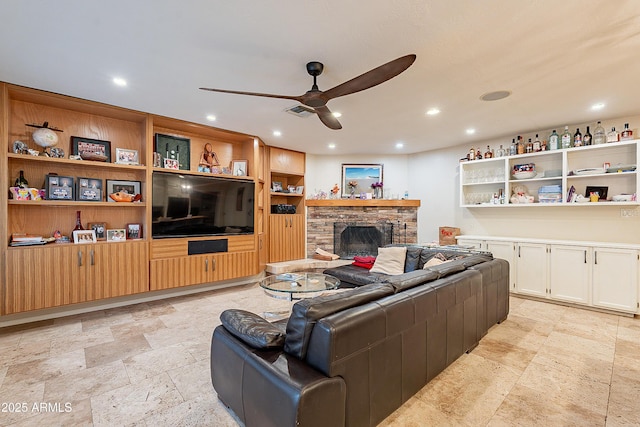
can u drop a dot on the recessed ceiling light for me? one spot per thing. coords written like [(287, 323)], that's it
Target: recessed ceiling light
[(336, 114), (470, 131), (277, 133), (433, 111), (331, 146), (211, 118), (494, 96), (399, 145), (598, 106), (119, 81)]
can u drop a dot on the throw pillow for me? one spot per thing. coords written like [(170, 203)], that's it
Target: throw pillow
[(252, 329), (390, 260), (436, 260)]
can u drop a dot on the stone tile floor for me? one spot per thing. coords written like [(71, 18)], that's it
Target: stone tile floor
[(148, 365)]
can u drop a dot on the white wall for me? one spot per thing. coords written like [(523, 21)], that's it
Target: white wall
[(433, 177)]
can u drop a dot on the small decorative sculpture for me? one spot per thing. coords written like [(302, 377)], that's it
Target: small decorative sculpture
[(521, 194), (45, 136), (208, 159)]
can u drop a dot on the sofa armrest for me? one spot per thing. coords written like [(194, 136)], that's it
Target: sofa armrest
[(252, 329)]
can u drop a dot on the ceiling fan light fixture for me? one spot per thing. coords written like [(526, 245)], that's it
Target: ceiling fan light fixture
[(337, 114), (495, 96)]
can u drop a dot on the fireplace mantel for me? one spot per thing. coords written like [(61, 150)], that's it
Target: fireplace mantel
[(362, 203)]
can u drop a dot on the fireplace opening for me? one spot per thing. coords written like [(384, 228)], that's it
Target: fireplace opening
[(357, 239)]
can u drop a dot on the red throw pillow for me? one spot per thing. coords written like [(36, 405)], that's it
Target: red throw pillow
[(366, 265)]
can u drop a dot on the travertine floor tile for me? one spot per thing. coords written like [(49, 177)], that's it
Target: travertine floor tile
[(197, 412), (59, 414), (152, 363), (623, 402), (22, 395), (87, 383), (81, 340), (108, 352), (47, 368), (141, 326)]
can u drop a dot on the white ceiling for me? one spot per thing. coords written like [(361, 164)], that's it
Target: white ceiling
[(558, 57)]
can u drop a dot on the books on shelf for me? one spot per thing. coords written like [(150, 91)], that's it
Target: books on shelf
[(20, 239)]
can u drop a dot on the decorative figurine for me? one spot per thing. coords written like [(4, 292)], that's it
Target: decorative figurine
[(208, 159), (521, 194), (45, 137)]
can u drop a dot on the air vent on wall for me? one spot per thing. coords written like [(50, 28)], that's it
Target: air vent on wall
[(300, 111)]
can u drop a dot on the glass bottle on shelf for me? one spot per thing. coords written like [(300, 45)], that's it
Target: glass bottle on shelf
[(529, 146), (478, 155), (627, 134), (577, 138), (21, 181), (500, 152), (544, 146), (513, 148), (586, 138), (520, 145), (472, 154), (566, 138), (599, 136), (554, 141), (78, 222), (613, 136), (489, 153), (537, 145)]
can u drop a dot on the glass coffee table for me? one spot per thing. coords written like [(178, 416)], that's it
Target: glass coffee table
[(295, 286)]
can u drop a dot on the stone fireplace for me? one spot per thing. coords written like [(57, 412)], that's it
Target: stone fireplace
[(360, 239), (394, 221)]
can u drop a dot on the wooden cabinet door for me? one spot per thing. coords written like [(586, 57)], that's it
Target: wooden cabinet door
[(39, 277), (167, 273), (531, 269), (286, 237), (117, 269), (570, 273), (286, 161), (615, 278)]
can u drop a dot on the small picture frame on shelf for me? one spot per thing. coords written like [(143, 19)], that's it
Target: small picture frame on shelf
[(58, 187), (100, 228), (84, 236), (171, 164), (300, 189), (89, 189), (291, 188), (276, 186), (134, 231), (91, 149), (125, 188), (124, 156), (601, 191), (239, 167), (116, 235)]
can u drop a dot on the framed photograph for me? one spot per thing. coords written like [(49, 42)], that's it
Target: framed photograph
[(91, 149), (602, 191), (125, 156), (125, 187), (134, 231), (116, 235), (357, 178), (84, 236), (300, 189), (89, 189), (239, 167), (276, 186), (58, 187), (173, 148), (100, 228), (171, 164)]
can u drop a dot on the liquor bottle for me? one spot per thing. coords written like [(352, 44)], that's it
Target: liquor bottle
[(537, 145), (577, 138), (21, 181), (599, 137), (613, 136), (566, 138), (472, 154), (627, 133), (478, 155), (500, 152), (520, 146), (513, 148), (554, 141), (586, 138), (529, 147), (78, 222), (544, 146), (488, 154)]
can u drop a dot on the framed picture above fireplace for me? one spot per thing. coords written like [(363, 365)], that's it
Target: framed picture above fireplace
[(358, 178)]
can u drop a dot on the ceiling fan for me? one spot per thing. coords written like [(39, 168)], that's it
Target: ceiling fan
[(317, 99)]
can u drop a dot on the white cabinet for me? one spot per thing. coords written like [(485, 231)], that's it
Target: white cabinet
[(590, 274), (570, 273), (615, 279), (531, 269), (577, 167)]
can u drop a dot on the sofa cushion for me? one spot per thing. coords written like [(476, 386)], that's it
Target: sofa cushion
[(412, 259), (390, 260), (252, 329), (352, 275), (411, 279), (307, 312)]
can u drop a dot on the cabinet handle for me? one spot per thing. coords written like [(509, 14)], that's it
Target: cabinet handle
[(93, 261), (595, 257), (518, 251), (79, 258), (206, 265), (214, 264), (585, 257)]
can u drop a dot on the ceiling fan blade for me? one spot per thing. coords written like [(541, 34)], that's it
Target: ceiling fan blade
[(266, 95), (327, 117), (371, 78)]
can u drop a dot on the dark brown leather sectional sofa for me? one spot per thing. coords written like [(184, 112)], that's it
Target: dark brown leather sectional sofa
[(353, 357)]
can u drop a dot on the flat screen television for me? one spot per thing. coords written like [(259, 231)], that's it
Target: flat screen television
[(195, 205)]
